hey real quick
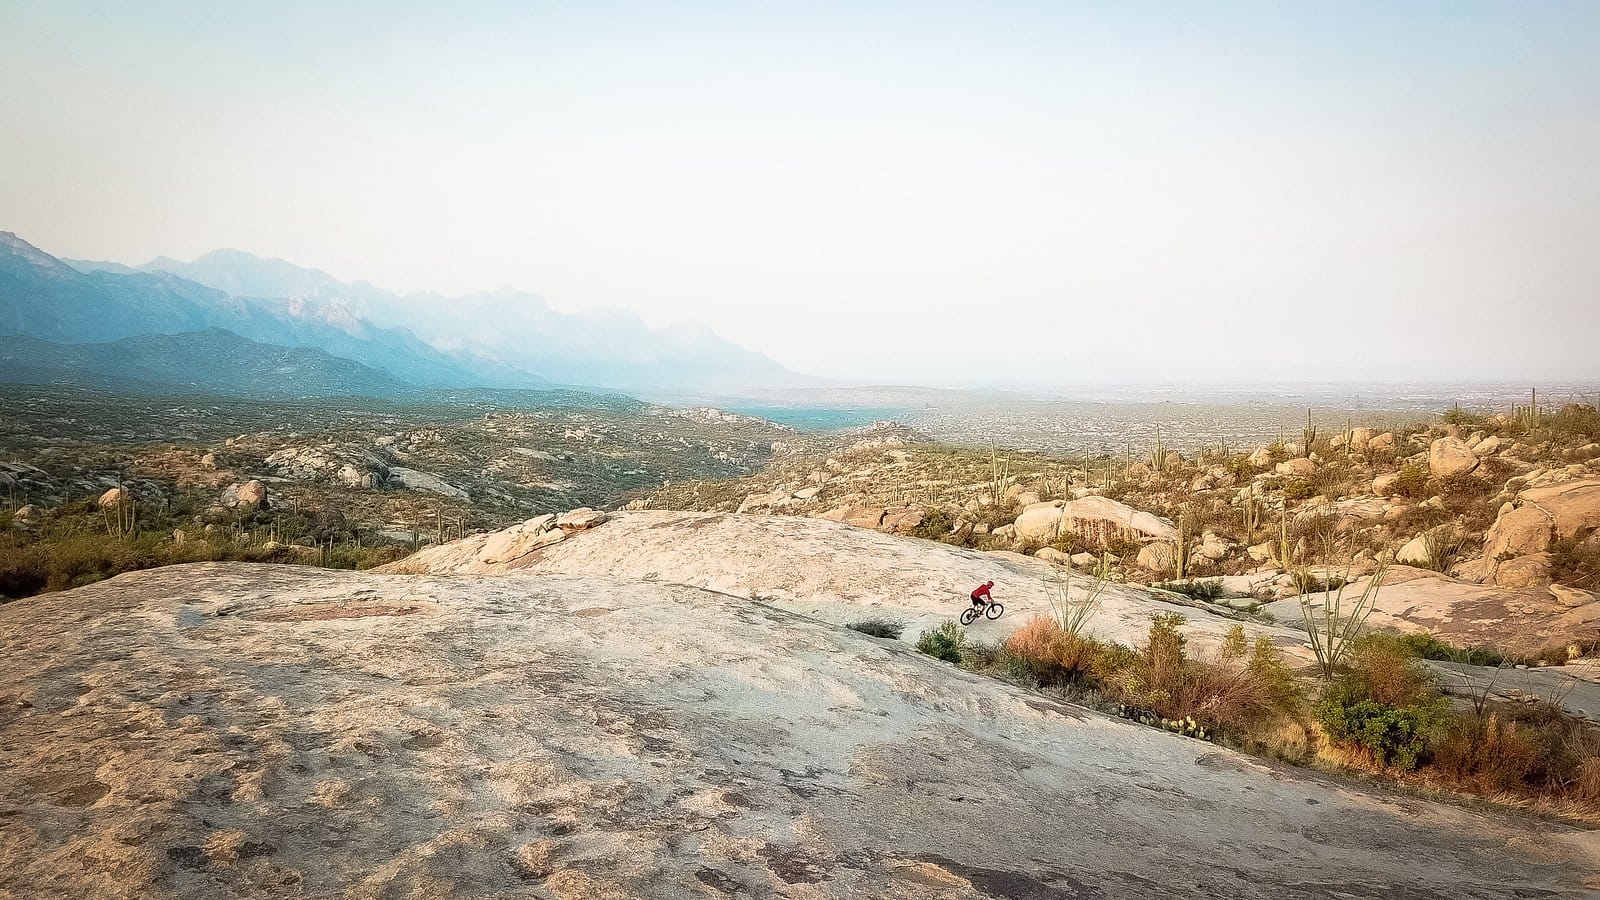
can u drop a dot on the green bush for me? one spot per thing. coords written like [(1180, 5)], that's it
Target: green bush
[(1399, 736), (883, 628), (1412, 481), (1429, 647), (936, 524), (945, 642), (1386, 703), (1204, 591), (1575, 560)]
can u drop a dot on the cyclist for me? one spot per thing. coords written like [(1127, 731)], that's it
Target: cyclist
[(980, 596)]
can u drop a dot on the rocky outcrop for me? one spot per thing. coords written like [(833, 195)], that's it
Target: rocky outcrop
[(1516, 550), (823, 569), (275, 731)]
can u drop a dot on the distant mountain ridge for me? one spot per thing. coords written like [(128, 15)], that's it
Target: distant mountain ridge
[(502, 337), (43, 297), (214, 361)]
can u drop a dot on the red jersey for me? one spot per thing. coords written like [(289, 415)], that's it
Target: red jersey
[(982, 591)]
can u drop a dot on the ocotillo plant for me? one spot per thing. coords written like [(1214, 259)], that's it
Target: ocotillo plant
[(121, 518), (1071, 615), (1333, 627)]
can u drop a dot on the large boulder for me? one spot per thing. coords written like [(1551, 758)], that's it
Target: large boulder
[(252, 493), (1571, 598), (1360, 439), (1052, 555), (902, 521), (115, 497), (1524, 571), (1102, 520), (1573, 506), (581, 519), (1382, 443), (1414, 552), (1300, 467), (1261, 457), (1157, 557), (1543, 514), (1518, 531), (1039, 523), (1450, 456), (518, 541)]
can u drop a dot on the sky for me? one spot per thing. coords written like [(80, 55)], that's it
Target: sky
[(958, 194)]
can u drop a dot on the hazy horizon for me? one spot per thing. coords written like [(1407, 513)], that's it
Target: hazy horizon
[(1021, 196)]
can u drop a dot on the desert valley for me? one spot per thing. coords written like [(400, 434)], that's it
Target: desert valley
[(630, 451)]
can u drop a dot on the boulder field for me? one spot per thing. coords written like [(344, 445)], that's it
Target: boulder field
[(229, 730)]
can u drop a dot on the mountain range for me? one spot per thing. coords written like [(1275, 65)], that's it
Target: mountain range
[(500, 339), (505, 338)]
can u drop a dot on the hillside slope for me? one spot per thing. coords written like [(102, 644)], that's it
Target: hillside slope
[(829, 570), (212, 361), (255, 731)]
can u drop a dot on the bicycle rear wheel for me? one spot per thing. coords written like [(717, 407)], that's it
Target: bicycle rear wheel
[(969, 615), (994, 610)]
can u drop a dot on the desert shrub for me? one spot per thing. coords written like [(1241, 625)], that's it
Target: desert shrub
[(1412, 481), (1441, 546), (1208, 591), (1052, 654), (1534, 749), (936, 523), (1299, 489), (1386, 703), (1458, 416), (1398, 736), (945, 642), (996, 515), (1575, 560), (1426, 646), (882, 628), (1242, 687), (1573, 423), (1309, 582), (1239, 465), (984, 658)]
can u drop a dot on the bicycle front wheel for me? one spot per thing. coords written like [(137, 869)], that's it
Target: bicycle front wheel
[(994, 610)]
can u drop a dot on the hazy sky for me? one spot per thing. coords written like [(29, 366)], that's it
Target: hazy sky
[(991, 192)]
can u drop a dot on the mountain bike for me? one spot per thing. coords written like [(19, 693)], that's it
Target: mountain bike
[(991, 610)]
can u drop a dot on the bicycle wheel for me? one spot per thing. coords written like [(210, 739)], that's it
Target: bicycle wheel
[(969, 615), (994, 610)]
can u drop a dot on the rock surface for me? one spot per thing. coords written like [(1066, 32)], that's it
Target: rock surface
[(1518, 619), (823, 569), (263, 731)]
